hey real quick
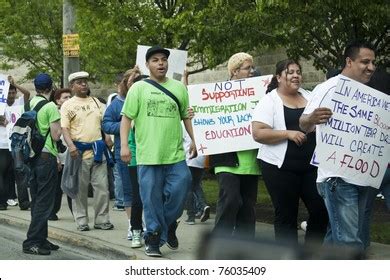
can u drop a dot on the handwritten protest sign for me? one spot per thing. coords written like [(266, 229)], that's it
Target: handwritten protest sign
[(355, 143), (176, 62), (4, 87), (223, 114)]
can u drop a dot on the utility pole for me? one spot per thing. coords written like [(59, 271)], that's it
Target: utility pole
[(71, 57)]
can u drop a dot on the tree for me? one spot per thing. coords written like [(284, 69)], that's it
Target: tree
[(111, 30), (320, 29), (209, 30), (31, 34)]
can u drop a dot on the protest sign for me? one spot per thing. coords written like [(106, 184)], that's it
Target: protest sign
[(355, 143), (4, 87), (223, 114), (176, 62)]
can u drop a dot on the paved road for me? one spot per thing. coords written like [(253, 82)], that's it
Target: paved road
[(113, 244), (12, 237)]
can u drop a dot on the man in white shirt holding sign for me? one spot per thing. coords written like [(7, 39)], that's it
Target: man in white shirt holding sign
[(13, 110), (344, 201)]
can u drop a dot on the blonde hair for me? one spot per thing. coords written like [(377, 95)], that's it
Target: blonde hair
[(126, 76), (128, 73), (236, 60)]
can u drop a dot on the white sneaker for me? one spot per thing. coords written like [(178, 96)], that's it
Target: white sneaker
[(136, 242), (129, 234), (379, 195), (12, 202), (304, 226)]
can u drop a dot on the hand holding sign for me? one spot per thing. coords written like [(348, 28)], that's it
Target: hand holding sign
[(320, 115)]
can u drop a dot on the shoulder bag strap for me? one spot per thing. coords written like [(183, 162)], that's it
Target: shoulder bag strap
[(38, 107)]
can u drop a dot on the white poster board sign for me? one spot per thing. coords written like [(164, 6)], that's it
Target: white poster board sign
[(355, 143), (177, 62), (223, 114), (4, 87)]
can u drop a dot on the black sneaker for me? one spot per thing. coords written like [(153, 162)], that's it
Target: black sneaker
[(50, 246), (172, 242), (152, 245), (53, 217), (206, 214), (36, 250), (25, 205)]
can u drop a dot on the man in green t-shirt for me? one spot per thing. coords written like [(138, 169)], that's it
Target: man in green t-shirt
[(163, 175), (43, 184)]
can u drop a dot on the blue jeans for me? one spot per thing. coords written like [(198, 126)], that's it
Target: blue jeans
[(385, 189), (345, 204), (42, 188), (118, 190), (124, 175), (163, 191)]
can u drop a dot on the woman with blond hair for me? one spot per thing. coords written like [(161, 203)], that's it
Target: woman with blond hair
[(111, 125), (237, 173)]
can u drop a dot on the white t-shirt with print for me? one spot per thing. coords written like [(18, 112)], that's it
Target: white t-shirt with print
[(321, 97), (12, 113)]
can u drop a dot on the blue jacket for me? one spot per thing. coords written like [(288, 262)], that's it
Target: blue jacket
[(112, 122), (99, 148)]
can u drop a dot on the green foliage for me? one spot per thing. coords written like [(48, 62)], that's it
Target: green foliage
[(320, 29), (380, 232), (31, 33), (210, 30)]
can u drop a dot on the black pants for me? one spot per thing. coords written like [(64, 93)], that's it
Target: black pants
[(236, 204), (22, 185), (11, 182), (286, 187), (58, 196), (5, 175), (196, 187), (42, 188), (136, 204)]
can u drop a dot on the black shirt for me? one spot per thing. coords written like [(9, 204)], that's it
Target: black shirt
[(297, 157)]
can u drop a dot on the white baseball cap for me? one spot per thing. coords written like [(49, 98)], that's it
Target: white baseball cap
[(78, 75)]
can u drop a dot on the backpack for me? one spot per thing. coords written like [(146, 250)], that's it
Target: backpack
[(26, 140)]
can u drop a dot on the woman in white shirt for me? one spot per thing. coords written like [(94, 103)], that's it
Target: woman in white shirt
[(285, 154)]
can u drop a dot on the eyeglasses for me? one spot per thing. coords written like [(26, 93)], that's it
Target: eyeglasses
[(81, 81), (248, 68)]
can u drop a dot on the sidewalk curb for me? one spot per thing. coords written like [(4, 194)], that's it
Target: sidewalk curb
[(73, 239)]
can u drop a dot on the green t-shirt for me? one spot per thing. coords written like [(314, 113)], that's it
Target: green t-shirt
[(157, 120), (133, 148), (47, 114), (247, 164)]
